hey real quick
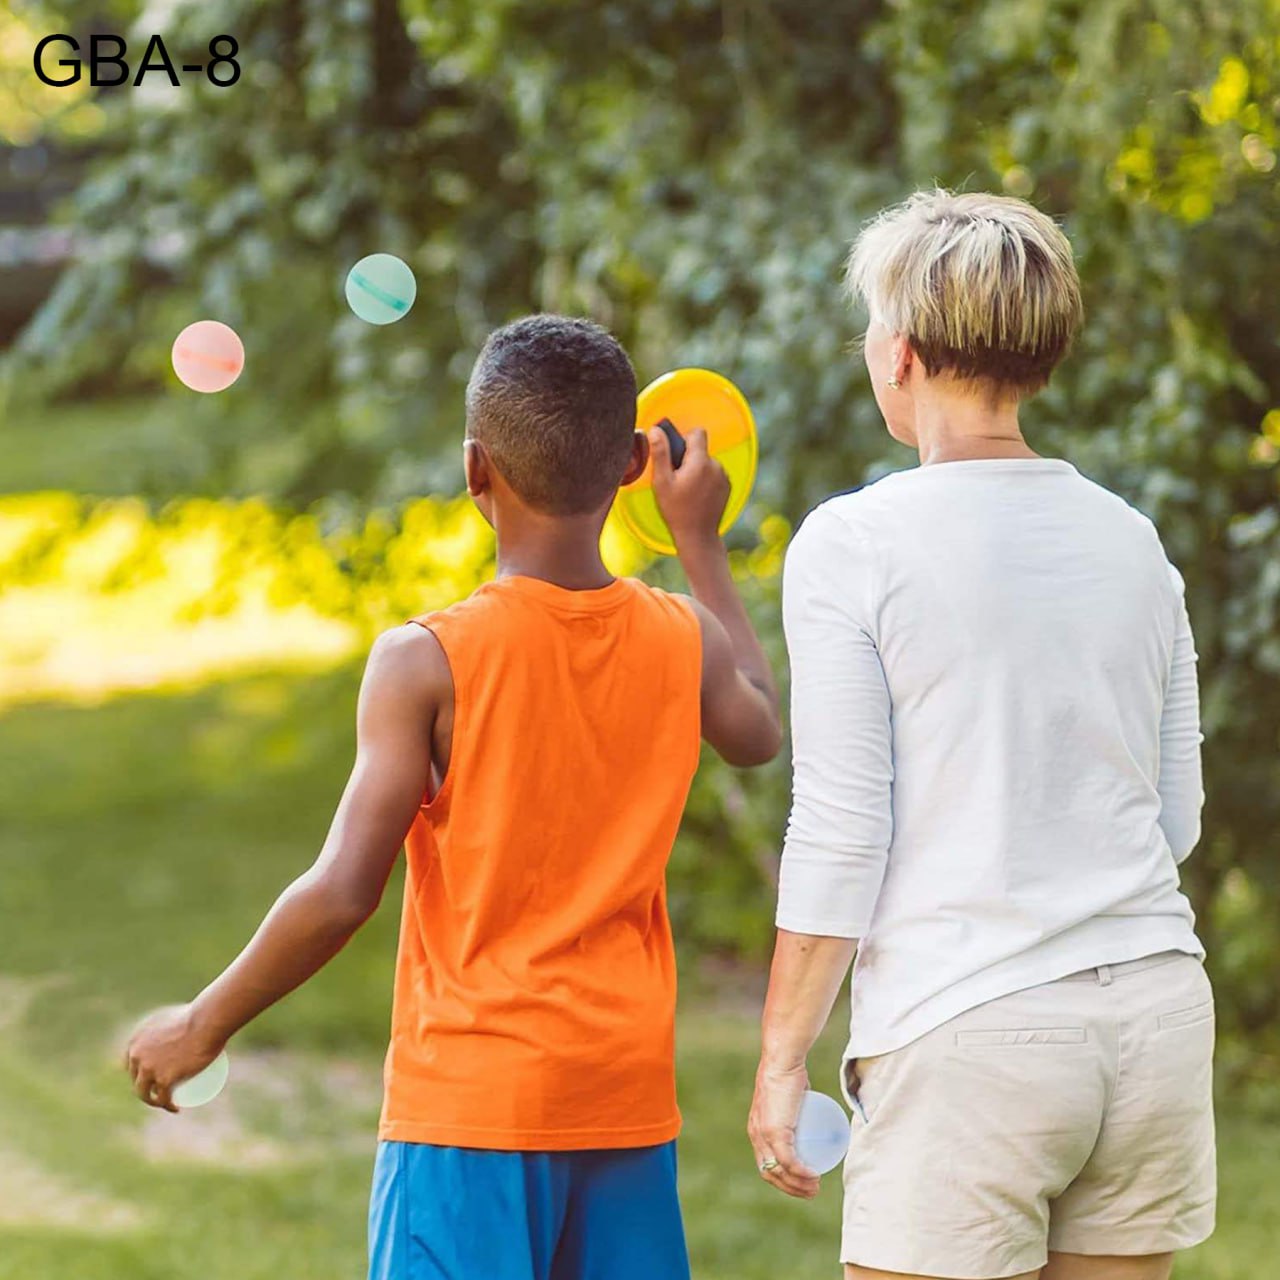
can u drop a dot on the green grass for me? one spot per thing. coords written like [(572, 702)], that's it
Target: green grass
[(162, 445), (142, 840), (106, 447)]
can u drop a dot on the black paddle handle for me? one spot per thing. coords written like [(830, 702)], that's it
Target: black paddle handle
[(675, 440)]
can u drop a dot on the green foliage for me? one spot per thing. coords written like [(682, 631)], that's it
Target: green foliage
[(248, 204), (691, 172)]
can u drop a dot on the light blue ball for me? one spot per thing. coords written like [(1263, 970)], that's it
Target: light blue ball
[(381, 288)]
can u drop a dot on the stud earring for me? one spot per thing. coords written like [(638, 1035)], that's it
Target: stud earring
[(894, 383)]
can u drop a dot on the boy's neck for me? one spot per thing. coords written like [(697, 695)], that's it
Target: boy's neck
[(562, 550)]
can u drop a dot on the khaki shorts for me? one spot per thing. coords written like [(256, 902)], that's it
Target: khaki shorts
[(1075, 1116)]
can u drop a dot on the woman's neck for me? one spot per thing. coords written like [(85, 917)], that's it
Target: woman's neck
[(953, 428)]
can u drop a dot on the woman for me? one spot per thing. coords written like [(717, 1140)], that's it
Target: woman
[(996, 773)]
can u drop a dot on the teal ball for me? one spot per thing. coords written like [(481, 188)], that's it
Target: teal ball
[(381, 288)]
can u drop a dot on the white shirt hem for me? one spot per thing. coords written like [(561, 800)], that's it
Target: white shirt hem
[(1138, 939)]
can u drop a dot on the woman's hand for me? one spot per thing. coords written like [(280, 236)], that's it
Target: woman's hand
[(166, 1048), (772, 1128)]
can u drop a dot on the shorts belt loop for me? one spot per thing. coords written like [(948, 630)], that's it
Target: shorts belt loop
[(1104, 975)]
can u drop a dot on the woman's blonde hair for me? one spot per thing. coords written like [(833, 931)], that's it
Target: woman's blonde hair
[(981, 285)]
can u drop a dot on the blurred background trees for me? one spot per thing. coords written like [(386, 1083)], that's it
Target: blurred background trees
[(690, 172)]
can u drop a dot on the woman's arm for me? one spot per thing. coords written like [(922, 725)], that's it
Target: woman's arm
[(841, 821), (1180, 783), (806, 975), (837, 842)]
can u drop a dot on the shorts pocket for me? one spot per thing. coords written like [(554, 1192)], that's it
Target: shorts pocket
[(988, 1039), (1202, 1012), (849, 1088)]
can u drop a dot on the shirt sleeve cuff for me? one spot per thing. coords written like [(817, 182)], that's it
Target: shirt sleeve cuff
[(829, 894), (818, 928)]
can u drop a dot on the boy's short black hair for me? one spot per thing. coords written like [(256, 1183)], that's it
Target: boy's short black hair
[(553, 401)]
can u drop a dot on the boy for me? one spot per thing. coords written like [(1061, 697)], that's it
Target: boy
[(532, 747)]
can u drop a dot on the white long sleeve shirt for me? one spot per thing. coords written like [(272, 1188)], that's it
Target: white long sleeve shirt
[(996, 737)]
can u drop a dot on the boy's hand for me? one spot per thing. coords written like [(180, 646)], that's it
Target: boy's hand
[(691, 498), (165, 1049)]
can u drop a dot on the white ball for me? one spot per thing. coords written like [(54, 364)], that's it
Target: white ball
[(822, 1132), (205, 1085)]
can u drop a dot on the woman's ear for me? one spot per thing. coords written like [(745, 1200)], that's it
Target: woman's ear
[(639, 457), (903, 358)]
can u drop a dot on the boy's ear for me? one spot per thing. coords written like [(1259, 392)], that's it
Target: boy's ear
[(639, 457), (475, 464)]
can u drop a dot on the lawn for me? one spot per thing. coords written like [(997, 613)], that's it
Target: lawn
[(142, 840), (100, 447), (160, 445)]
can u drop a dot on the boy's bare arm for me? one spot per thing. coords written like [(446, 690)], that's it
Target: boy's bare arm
[(314, 917), (317, 914), (739, 698), (740, 716)]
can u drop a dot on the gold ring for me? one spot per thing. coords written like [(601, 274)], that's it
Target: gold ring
[(768, 1164)]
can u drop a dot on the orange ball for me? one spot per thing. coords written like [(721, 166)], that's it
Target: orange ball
[(208, 356)]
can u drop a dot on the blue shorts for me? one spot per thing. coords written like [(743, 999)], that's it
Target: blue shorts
[(452, 1213)]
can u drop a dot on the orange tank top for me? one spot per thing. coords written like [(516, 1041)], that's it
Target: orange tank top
[(535, 978)]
